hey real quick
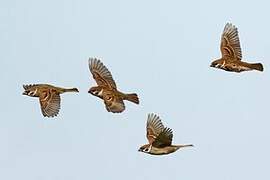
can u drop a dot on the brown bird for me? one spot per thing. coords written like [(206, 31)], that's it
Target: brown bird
[(159, 138), (49, 97), (106, 89), (231, 53)]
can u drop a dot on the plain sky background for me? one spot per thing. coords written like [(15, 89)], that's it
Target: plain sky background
[(159, 49)]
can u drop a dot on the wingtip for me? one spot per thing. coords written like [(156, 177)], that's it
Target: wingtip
[(25, 86), (229, 26), (93, 59), (50, 116), (90, 59)]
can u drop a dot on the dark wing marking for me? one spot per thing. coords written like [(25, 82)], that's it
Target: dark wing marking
[(30, 86), (164, 138)]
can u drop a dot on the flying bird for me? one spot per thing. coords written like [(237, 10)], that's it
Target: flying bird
[(106, 88), (49, 97), (159, 138), (231, 53)]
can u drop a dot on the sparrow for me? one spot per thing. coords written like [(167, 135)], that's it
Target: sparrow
[(106, 88), (159, 138), (49, 97), (231, 53)]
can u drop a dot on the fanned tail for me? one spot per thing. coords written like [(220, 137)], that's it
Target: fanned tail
[(71, 90), (185, 145), (132, 98), (256, 66)]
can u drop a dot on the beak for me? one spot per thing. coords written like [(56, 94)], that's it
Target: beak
[(24, 93), (212, 65)]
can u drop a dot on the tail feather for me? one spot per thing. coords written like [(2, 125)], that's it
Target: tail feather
[(189, 145), (186, 145), (72, 90), (132, 98), (257, 66)]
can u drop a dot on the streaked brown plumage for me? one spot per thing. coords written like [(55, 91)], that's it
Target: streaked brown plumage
[(106, 89), (159, 138), (231, 53), (49, 97)]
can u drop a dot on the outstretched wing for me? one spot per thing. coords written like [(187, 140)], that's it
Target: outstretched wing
[(230, 43), (164, 138), (101, 74), (154, 127), (49, 102)]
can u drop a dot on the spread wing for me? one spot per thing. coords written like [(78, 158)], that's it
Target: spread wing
[(101, 74), (164, 138), (113, 103), (49, 102), (154, 127), (230, 43)]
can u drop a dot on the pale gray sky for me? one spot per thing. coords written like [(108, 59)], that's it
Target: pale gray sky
[(159, 49)]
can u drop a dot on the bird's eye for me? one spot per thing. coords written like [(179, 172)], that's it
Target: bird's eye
[(94, 92), (146, 149)]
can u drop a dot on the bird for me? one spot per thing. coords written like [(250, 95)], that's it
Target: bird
[(231, 53), (49, 97), (106, 88), (159, 138)]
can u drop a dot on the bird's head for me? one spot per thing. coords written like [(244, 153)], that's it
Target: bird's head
[(228, 66), (216, 63), (145, 148), (96, 91)]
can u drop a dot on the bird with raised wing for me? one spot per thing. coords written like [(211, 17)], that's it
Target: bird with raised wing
[(159, 138), (49, 97), (231, 53), (106, 88)]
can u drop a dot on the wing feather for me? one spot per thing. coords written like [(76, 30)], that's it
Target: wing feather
[(113, 103), (164, 138), (26, 87), (154, 127), (101, 74), (49, 102), (230, 43)]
